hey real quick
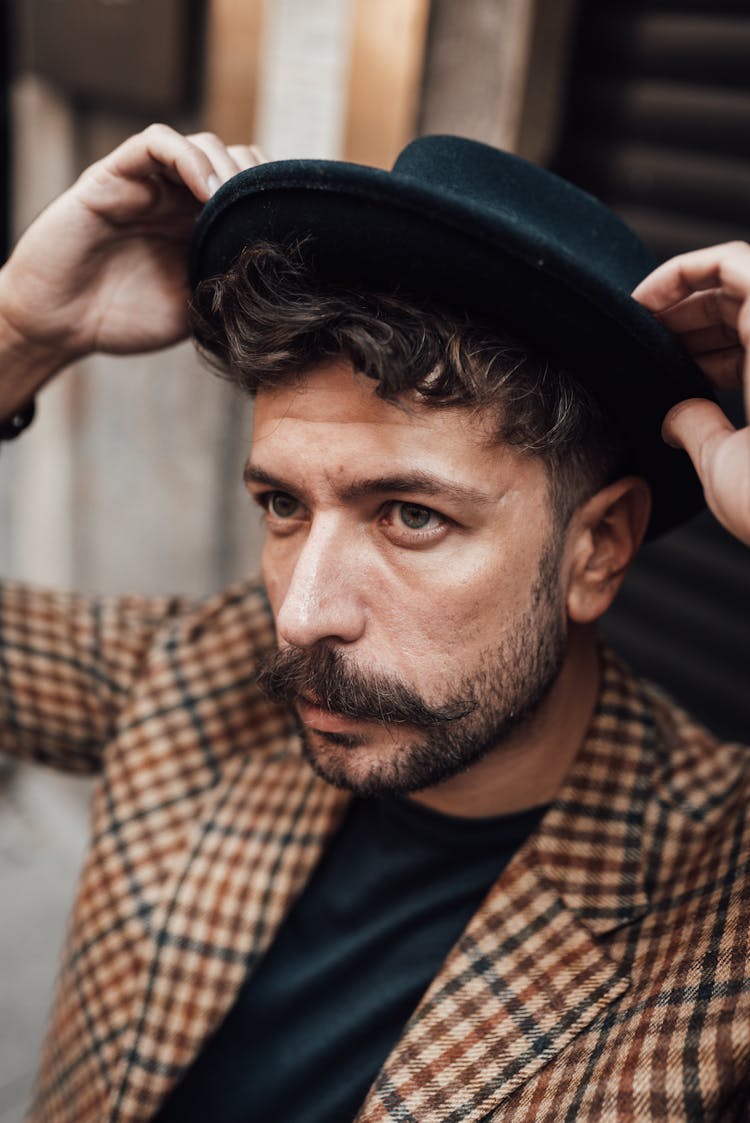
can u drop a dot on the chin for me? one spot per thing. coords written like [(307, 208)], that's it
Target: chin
[(353, 762), (389, 763)]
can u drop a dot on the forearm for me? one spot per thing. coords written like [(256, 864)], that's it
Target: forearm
[(24, 367)]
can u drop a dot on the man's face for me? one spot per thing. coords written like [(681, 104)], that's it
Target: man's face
[(412, 572)]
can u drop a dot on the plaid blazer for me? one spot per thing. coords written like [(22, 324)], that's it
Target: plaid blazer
[(605, 977)]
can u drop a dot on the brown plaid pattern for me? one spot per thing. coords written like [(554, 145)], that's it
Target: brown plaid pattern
[(606, 976)]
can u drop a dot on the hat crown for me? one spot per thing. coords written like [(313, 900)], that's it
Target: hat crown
[(546, 210), (482, 233)]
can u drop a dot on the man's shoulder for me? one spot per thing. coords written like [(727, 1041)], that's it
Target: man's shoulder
[(696, 822), (239, 610), (108, 628), (661, 749), (697, 772), (215, 642), (196, 690), (654, 779)]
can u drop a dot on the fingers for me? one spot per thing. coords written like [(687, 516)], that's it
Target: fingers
[(247, 155), (226, 160), (717, 337), (725, 368), (718, 351), (702, 310), (706, 323), (721, 457), (160, 149), (698, 426), (704, 297), (223, 163), (201, 162), (725, 267)]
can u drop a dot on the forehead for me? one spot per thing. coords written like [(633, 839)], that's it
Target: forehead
[(332, 403), (331, 426)]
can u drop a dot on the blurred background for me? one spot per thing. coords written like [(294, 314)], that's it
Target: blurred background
[(129, 478)]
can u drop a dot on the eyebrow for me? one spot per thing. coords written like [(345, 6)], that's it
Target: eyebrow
[(399, 484)]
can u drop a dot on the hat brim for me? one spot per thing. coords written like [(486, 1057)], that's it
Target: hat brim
[(381, 231)]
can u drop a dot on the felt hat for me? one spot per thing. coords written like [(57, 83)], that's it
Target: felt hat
[(474, 229)]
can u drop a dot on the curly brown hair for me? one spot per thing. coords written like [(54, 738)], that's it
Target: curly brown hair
[(268, 320)]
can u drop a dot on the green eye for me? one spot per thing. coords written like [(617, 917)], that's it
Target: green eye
[(413, 516), (282, 505)]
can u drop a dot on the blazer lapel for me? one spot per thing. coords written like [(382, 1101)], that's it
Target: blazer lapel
[(525, 977), (529, 972), (259, 836)]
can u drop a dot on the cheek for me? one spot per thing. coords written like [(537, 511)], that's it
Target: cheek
[(453, 616), (479, 595), (475, 583)]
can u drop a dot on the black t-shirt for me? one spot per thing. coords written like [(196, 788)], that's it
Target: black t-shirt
[(312, 1026)]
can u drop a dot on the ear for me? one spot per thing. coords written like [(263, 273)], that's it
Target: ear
[(604, 536)]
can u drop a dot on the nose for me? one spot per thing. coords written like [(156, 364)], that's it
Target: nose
[(323, 599)]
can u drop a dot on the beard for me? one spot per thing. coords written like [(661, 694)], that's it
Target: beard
[(427, 742)]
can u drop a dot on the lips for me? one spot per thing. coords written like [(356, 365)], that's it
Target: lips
[(326, 721)]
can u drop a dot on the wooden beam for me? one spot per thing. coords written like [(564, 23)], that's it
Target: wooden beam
[(233, 59), (542, 97), (387, 54), (495, 70)]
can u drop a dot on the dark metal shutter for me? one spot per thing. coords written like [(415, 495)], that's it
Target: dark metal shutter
[(658, 126)]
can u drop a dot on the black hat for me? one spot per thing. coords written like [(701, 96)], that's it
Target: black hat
[(477, 230)]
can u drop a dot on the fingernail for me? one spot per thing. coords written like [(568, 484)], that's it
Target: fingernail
[(214, 183)]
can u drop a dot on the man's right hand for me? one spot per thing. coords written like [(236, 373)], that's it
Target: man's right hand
[(104, 267)]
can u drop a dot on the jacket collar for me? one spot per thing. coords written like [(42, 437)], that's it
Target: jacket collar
[(527, 974), (530, 972), (261, 833), (589, 846)]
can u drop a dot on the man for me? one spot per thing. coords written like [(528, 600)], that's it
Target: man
[(535, 904)]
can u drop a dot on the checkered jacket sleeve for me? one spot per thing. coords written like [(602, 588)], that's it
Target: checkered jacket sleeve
[(67, 665)]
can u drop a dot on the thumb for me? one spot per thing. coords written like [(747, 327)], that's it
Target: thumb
[(698, 426)]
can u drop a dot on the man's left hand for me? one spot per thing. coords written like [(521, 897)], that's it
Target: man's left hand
[(704, 298)]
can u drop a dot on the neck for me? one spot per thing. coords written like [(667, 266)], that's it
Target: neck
[(528, 769)]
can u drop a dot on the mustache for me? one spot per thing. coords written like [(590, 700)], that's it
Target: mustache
[(321, 674)]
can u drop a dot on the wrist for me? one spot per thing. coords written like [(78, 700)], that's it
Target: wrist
[(25, 365), (15, 424)]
